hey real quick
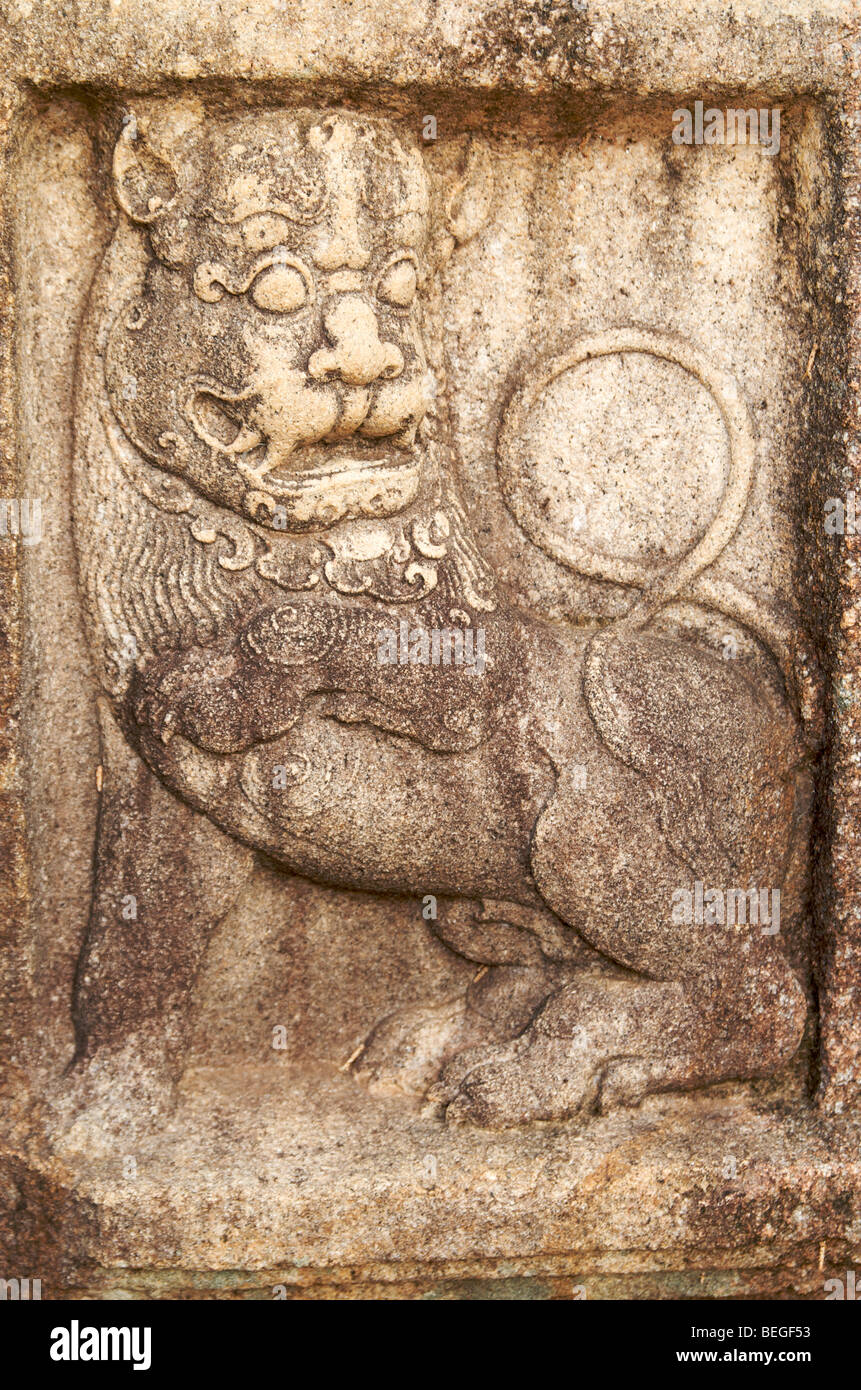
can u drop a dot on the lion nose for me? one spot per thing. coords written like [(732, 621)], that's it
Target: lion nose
[(358, 355)]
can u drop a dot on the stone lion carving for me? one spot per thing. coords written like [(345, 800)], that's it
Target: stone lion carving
[(264, 492)]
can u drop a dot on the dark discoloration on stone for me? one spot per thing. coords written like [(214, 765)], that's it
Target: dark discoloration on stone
[(840, 966)]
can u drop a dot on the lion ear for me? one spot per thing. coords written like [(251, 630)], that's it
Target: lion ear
[(468, 205), (144, 183)]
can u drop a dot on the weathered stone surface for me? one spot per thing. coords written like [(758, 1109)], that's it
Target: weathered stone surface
[(431, 749)]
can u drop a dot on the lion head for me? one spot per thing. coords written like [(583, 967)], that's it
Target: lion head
[(272, 353), (254, 407)]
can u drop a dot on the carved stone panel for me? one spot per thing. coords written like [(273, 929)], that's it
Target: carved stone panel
[(430, 710)]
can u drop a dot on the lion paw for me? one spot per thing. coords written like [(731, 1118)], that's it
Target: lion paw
[(406, 1050), (159, 695), (537, 1077)]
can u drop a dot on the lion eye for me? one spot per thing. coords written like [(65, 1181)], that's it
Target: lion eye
[(280, 289), (398, 285)]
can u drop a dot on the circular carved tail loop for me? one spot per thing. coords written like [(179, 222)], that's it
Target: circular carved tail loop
[(571, 552), (684, 578)]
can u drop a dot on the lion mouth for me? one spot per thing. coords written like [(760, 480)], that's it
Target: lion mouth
[(220, 422), (365, 465), (331, 466), (343, 483), (368, 474), (331, 457)]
